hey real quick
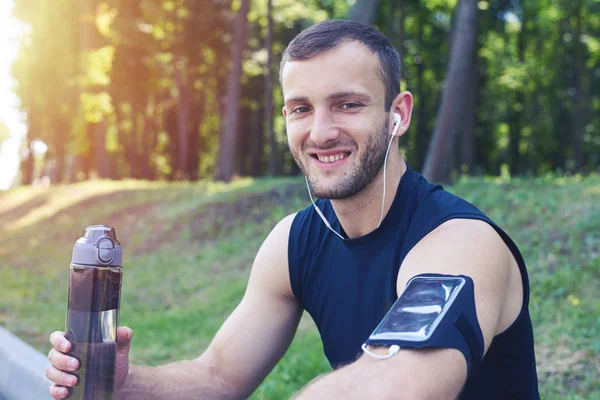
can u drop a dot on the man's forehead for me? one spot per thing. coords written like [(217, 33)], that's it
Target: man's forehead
[(348, 67)]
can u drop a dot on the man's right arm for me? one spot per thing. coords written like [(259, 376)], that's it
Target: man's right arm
[(246, 347)]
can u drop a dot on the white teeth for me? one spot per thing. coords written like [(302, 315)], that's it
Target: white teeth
[(330, 159)]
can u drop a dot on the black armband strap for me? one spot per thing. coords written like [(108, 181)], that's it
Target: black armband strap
[(434, 311)]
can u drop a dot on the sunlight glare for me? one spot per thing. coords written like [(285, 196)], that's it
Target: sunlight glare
[(11, 31)]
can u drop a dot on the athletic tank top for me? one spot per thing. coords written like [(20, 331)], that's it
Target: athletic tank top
[(348, 286)]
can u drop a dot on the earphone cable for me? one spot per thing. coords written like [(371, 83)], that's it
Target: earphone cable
[(384, 169), (327, 224)]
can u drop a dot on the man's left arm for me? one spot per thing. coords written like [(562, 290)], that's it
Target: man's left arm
[(457, 247)]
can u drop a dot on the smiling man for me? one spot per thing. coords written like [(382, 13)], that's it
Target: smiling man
[(461, 329)]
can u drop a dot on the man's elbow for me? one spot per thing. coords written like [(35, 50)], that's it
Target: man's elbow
[(208, 368)]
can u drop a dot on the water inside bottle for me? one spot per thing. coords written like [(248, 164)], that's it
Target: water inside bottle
[(92, 318)]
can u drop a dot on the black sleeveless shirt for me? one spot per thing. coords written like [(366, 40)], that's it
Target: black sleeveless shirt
[(348, 286)]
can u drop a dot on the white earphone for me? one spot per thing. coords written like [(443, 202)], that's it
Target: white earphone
[(397, 120)]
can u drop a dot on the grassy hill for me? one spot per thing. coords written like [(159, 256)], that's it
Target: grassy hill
[(189, 248)]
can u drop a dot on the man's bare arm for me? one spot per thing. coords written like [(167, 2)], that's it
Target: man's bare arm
[(465, 247), (245, 349)]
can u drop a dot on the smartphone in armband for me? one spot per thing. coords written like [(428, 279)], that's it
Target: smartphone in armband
[(435, 311), (419, 310)]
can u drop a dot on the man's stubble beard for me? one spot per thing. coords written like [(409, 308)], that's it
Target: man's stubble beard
[(364, 172)]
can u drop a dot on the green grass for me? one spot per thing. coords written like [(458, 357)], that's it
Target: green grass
[(189, 248)]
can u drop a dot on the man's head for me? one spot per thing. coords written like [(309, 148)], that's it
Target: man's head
[(340, 81), (328, 35)]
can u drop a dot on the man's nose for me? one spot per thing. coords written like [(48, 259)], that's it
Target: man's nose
[(324, 128)]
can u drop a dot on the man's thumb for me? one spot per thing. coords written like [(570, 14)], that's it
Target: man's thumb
[(124, 335)]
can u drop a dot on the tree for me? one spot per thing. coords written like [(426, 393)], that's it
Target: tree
[(364, 11), (438, 159), (96, 104), (580, 93), (516, 117), (229, 123), (269, 91), (145, 89)]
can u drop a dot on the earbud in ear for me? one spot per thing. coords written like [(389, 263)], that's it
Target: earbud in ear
[(397, 120)]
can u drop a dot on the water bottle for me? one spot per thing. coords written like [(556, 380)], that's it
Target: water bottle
[(93, 311)]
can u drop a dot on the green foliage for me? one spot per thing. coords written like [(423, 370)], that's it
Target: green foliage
[(96, 106), (144, 66), (97, 66), (189, 248)]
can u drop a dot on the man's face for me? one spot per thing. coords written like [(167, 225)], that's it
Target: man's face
[(336, 122)]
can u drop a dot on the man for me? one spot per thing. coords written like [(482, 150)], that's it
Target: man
[(346, 259)]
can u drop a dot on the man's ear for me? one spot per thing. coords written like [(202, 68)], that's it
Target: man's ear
[(284, 112), (402, 105)]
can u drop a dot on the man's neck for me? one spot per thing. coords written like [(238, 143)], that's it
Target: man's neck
[(360, 214)]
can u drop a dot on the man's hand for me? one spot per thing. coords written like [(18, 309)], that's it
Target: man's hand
[(63, 366)]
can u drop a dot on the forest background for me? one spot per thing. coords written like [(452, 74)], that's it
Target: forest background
[(188, 89), (161, 98)]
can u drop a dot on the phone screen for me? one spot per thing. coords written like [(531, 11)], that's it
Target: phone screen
[(418, 310)]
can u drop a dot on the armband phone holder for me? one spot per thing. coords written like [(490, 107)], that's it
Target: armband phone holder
[(433, 311)]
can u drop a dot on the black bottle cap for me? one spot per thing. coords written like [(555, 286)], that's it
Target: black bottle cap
[(98, 246)]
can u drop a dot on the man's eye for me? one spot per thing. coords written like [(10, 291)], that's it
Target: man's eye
[(300, 110), (348, 106)]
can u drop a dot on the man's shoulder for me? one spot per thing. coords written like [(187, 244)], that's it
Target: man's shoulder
[(281, 231)]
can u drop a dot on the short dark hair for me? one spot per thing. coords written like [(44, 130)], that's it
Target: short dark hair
[(327, 35)]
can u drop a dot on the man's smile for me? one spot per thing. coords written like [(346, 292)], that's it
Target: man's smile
[(330, 158)]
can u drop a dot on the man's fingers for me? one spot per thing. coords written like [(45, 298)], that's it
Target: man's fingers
[(57, 338), (62, 361), (58, 392), (60, 377)]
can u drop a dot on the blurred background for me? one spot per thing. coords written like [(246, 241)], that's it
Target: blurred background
[(162, 118), (188, 89)]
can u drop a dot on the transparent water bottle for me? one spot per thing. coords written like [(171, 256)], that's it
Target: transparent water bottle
[(93, 311)]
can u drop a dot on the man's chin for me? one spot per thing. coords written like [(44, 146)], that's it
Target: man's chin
[(331, 190)]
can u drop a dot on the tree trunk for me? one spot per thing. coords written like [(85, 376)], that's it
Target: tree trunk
[(468, 128), (269, 93), (401, 34), (148, 133), (389, 21), (183, 112), (295, 169), (519, 106), (364, 11), (578, 113), (421, 104), (60, 139), (437, 163), (466, 154), (562, 119), (229, 123), (90, 39), (102, 159), (193, 164), (28, 163), (257, 150)]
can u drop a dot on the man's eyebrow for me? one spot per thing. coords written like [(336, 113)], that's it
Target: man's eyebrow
[(332, 96), (349, 93), (298, 99)]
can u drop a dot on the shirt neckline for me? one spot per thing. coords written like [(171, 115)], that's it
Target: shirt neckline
[(393, 213)]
